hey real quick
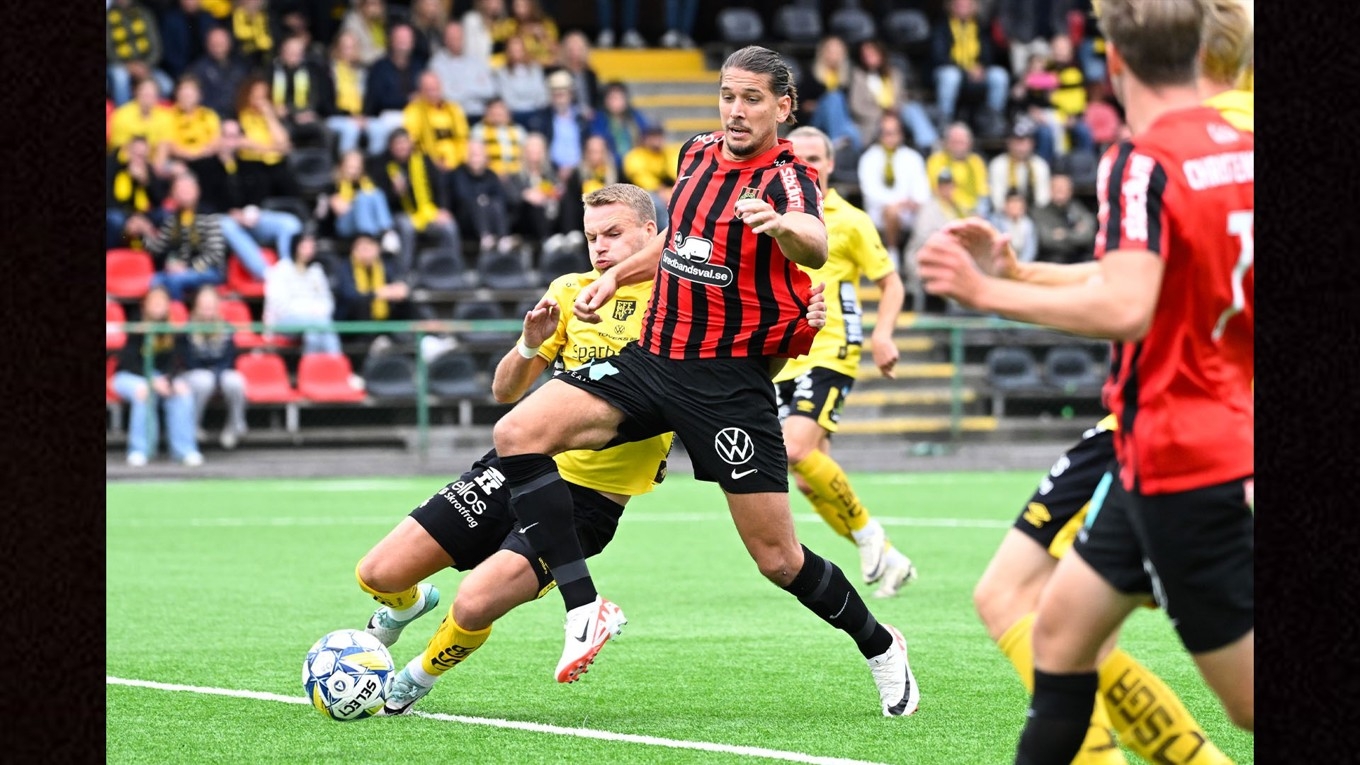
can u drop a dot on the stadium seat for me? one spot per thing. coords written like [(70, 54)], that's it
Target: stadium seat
[(441, 268), (1010, 370), (312, 169), (114, 316), (560, 262), (1081, 166), (454, 375), (798, 24), (325, 377), (237, 313), (390, 375), (483, 310), (291, 205), (243, 282), (266, 378), (906, 27), (854, 25), (127, 273), (740, 26), (503, 271), (1071, 369), (179, 312)]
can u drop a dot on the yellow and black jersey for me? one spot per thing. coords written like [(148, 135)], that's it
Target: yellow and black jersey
[(194, 131), (255, 126), (441, 131), (1238, 107), (854, 250), (629, 468), (129, 122)]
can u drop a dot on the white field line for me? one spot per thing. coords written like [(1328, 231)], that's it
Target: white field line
[(602, 735), (641, 516)]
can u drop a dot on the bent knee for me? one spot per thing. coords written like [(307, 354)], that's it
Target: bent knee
[(379, 573), (141, 392), (779, 566)]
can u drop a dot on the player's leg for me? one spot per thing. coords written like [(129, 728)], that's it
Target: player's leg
[(393, 573)]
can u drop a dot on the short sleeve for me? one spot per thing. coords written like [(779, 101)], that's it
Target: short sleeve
[(794, 189), (872, 256)]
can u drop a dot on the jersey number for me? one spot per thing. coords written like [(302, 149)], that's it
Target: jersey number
[(1240, 225)]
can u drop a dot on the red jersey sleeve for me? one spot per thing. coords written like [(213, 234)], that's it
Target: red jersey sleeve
[(794, 189), (1130, 187)]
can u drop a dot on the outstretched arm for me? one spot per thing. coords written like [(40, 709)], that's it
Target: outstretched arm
[(801, 237), (517, 371)]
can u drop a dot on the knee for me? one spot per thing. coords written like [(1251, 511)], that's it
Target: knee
[(798, 449), (1242, 713), (513, 435), (472, 609), (140, 392), (779, 564), (989, 600), (378, 574)]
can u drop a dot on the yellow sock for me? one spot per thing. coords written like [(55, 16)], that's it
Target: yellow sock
[(829, 513), (1100, 746), (393, 600), (450, 645), (1150, 718), (829, 482)]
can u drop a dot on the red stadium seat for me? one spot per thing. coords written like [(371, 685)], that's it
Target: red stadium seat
[(325, 377), (266, 378), (127, 273), (114, 336), (112, 366), (244, 283), (237, 313)]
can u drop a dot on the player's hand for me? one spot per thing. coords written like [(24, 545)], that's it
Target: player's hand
[(990, 249), (885, 355), (759, 215), (948, 270), (596, 294), (816, 310), (540, 322)]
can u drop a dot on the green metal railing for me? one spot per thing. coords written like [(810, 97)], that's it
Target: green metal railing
[(957, 328)]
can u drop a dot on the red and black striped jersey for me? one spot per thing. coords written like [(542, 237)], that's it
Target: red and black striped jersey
[(1184, 190), (720, 290)]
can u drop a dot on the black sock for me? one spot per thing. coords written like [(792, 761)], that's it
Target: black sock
[(542, 501), (1059, 717), (826, 592)]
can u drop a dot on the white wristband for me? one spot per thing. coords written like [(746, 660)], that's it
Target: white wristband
[(526, 351)]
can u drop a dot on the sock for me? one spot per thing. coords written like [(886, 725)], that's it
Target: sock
[(449, 647), (410, 612), (825, 591), (1099, 747), (830, 514), (1150, 718), (1059, 716), (396, 601), (829, 482), (542, 501)]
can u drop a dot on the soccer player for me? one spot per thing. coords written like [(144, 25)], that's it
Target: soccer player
[(812, 389), (468, 524), (726, 310), (1174, 289), (1153, 722)]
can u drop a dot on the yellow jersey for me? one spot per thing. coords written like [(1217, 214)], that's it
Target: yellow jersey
[(128, 122), (255, 126), (629, 469), (440, 131), (1238, 107), (854, 249), (970, 178), (196, 130)]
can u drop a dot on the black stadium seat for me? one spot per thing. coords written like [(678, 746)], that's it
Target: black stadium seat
[(441, 268), (454, 375), (312, 169), (503, 271), (1071, 369), (390, 375), (854, 25), (740, 26), (798, 24)]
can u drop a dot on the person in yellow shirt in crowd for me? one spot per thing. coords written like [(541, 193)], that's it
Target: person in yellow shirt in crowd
[(414, 195), (132, 48), (503, 139), (264, 146), (965, 166), (438, 127), (142, 117), (133, 204), (647, 165), (195, 136), (527, 20), (253, 32)]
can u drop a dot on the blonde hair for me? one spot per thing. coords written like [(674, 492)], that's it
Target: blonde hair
[(1228, 41), (634, 197)]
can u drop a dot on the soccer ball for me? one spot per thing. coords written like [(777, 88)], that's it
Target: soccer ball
[(347, 675)]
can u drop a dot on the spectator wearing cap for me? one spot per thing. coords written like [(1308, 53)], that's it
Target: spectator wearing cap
[(132, 47), (520, 82), (1012, 218), (1019, 168), (892, 178), (618, 123), (1065, 227), (466, 80), (647, 166), (940, 209), (562, 123), (968, 173)]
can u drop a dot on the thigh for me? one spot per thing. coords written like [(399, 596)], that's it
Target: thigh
[(406, 556), (555, 418), (232, 381), (595, 517), (201, 382), (1058, 507), (128, 385), (1013, 581), (1108, 542), (1078, 612), (470, 517)]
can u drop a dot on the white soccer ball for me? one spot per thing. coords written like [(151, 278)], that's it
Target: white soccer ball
[(347, 675)]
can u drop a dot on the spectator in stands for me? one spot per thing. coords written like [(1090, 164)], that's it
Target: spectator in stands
[(892, 178), (367, 22), (1028, 26), (966, 168), (575, 60), (536, 29), (143, 117), (1091, 54), (520, 82), (938, 211), (372, 288), (597, 170), (131, 385), (428, 18), (189, 250), (1067, 102), (299, 292), (220, 73), (680, 23), (254, 31), (132, 48), (208, 358), (479, 198), (195, 137), (134, 196), (261, 154), (358, 206), (438, 127), (391, 81), (466, 80), (1019, 168), (878, 86), (823, 94), (647, 166), (965, 67), (1066, 229), (627, 18), (502, 139), (618, 123), (534, 193), (562, 123), (299, 90), (347, 79), (483, 25), (410, 181), (184, 36), (1012, 218)]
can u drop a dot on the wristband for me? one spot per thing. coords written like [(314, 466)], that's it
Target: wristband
[(526, 351)]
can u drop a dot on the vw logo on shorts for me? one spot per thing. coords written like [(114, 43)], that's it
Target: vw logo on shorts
[(734, 446)]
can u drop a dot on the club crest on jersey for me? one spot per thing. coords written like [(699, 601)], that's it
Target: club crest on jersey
[(749, 193), (624, 308)]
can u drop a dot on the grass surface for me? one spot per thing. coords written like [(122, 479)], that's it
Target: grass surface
[(225, 584)]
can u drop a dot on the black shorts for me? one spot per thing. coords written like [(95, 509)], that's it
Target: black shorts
[(1192, 550), (722, 410), (1056, 511), (818, 393), (471, 519)]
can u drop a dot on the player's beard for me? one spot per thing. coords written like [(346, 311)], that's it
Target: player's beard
[(748, 149)]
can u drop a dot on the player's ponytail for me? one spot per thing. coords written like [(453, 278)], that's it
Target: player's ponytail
[(759, 60)]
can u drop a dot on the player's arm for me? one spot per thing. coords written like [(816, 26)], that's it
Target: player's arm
[(636, 268), (791, 213), (801, 237), (889, 306), (524, 363), (992, 252)]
